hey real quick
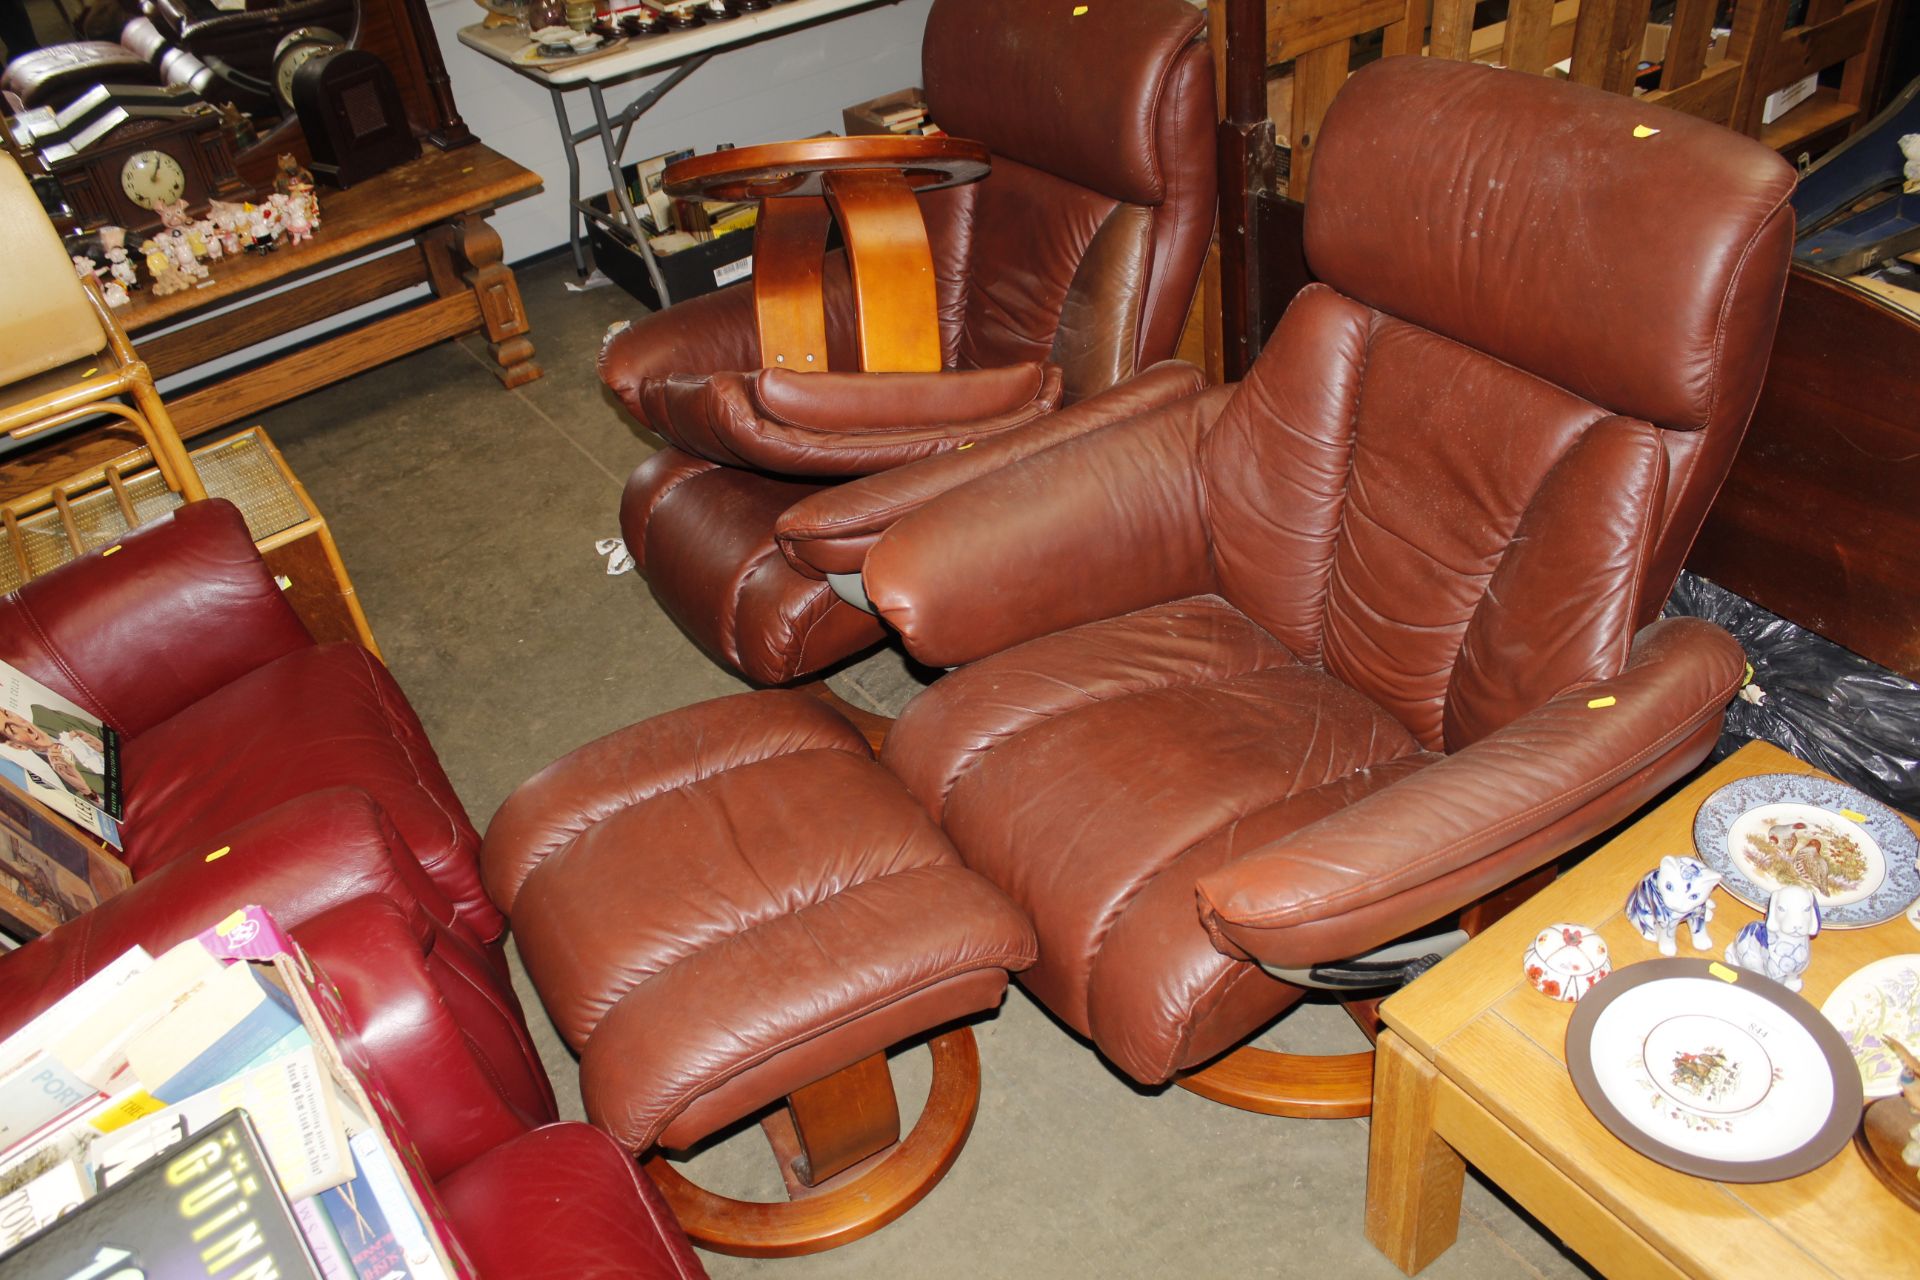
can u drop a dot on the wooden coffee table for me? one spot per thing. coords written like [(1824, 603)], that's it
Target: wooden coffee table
[(1471, 1068)]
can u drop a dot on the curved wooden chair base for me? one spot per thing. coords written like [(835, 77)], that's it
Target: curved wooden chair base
[(856, 1208), (1308, 1086)]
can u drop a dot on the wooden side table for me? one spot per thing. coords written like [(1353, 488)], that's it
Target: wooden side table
[(1471, 1067), (868, 184)]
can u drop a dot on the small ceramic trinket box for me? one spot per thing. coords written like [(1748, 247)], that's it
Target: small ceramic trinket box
[(1566, 961)]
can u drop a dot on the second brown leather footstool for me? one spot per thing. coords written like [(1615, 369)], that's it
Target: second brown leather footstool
[(733, 904)]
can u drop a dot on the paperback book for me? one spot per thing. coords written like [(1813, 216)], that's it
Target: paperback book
[(59, 755), (208, 1208)]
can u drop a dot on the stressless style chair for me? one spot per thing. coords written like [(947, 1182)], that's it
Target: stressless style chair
[(1068, 269), (1265, 679)]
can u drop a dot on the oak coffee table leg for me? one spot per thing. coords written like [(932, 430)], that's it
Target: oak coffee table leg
[(1414, 1178), (465, 254)]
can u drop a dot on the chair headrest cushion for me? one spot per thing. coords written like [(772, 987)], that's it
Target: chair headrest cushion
[(1077, 95), (1422, 206)]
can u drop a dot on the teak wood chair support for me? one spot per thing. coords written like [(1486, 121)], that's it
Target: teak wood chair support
[(868, 184), (848, 1173)]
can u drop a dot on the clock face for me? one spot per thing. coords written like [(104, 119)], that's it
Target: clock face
[(295, 50), (152, 178)]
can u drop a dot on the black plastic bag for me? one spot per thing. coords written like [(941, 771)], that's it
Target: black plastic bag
[(1825, 704)]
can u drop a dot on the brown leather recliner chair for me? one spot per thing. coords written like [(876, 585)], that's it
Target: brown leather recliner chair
[(1279, 674), (1067, 270)]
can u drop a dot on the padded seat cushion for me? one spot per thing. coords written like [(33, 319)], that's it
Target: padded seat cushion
[(1227, 743), (703, 535), (319, 717), (728, 902)]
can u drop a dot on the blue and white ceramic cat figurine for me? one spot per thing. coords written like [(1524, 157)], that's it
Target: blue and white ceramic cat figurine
[(1678, 889), (1778, 947)]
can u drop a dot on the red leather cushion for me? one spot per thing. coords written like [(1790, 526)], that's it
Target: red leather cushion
[(321, 717), (565, 1203)]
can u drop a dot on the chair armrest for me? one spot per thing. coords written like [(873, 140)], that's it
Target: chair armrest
[(1093, 528), (1473, 821), (713, 332), (461, 1075), (832, 531), (297, 860), (561, 1203), (137, 632), (841, 424)]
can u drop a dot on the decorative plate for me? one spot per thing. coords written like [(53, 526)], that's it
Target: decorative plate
[(1880, 1000), (1733, 1078), (1776, 829)]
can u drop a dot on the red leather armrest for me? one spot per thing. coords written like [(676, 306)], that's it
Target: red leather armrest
[(565, 1203), (832, 531), (297, 860), (1090, 529), (449, 1045), (177, 609), (1467, 824), (843, 424)]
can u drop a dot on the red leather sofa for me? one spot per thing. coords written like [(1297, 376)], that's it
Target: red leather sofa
[(303, 772)]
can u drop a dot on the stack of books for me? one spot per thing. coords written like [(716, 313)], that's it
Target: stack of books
[(179, 1106)]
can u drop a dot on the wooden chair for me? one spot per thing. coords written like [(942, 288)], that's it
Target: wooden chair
[(65, 361)]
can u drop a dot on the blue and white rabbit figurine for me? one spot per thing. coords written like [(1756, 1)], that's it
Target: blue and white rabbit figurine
[(1678, 889), (1778, 948)]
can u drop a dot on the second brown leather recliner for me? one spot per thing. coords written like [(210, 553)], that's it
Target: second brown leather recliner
[(1071, 266), (1263, 680)]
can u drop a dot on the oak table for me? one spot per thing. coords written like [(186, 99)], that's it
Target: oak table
[(1471, 1067), (423, 222)]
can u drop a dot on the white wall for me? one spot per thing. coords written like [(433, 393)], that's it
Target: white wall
[(786, 86)]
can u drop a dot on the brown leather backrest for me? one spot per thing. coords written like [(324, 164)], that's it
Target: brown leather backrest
[(1084, 243), (1450, 478), (1635, 256)]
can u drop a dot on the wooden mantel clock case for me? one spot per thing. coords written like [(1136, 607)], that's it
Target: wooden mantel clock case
[(144, 156)]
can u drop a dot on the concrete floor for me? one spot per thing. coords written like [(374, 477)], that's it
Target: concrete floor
[(467, 517)]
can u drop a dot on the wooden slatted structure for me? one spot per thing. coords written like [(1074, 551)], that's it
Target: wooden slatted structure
[(1597, 42)]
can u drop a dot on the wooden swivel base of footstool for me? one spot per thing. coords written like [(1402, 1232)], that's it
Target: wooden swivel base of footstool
[(830, 1126)]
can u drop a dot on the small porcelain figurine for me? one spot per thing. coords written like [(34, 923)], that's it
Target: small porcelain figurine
[(166, 277), (263, 226), (206, 237), (114, 292), (86, 268), (229, 220), (291, 171), (121, 271), (1678, 889), (299, 230), (1778, 947), (1566, 961)]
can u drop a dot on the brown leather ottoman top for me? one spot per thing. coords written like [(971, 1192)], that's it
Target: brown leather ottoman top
[(728, 902)]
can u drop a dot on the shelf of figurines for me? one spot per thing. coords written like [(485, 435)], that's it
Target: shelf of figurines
[(185, 251)]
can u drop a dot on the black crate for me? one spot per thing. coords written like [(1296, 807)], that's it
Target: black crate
[(697, 269)]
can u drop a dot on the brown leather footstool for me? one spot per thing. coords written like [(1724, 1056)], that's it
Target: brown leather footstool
[(733, 904)]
